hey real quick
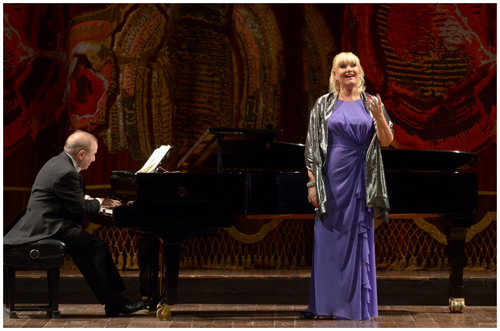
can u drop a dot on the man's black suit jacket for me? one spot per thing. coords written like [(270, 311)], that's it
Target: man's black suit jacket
[(57, 196)]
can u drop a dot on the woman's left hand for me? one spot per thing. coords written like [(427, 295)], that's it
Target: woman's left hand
[(374, 105), (384, 132)]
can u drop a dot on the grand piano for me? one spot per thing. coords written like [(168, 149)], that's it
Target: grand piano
[(232, 174)]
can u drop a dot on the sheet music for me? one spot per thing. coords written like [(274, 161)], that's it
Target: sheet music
[(155, 159)]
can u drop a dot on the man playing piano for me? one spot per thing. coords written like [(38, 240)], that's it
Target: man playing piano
[(56, 209)]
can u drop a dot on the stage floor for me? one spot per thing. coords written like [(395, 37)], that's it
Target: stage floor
[(267, 298), (250, 316)]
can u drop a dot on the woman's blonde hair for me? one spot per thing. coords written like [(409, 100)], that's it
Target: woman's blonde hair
[(346, 57)]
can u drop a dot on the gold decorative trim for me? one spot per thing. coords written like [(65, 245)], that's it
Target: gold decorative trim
[(98, 187), (28, 189), (19, 189), (441, 238), (432, 230), (256, 237), (481, 225), (91, 227)]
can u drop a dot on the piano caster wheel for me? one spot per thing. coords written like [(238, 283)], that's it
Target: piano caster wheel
[(163, 312), (457, 305)]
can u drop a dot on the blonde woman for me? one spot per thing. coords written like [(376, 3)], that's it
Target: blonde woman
[(346, 185)]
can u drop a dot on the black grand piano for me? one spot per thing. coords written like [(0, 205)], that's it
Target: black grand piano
[(241, 173)]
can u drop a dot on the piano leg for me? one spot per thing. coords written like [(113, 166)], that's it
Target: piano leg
[(456, 246), (149, 258), (171, 263)]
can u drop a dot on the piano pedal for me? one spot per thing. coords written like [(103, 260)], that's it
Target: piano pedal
[(163, 312)]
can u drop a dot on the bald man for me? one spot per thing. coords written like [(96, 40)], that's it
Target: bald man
[(56, 209)]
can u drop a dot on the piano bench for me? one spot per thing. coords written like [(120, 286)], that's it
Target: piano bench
[(46, 255)]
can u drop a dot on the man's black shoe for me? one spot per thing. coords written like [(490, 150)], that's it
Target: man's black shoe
[(115, 309)]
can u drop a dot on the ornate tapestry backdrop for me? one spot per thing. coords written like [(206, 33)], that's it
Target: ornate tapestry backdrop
[(142, 75)]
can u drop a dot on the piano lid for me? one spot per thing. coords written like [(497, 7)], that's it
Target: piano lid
[(231, 149), (427, 160)]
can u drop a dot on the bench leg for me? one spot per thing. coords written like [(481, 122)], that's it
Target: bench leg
[(11, 290), (53, 278), (53, 282)]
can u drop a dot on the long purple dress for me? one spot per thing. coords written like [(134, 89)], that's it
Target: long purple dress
[(343, 282)]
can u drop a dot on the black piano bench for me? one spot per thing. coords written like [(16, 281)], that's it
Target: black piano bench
[(45, 254)]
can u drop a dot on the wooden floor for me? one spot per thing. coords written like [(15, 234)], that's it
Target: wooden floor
[(83, 315), (250, 316)]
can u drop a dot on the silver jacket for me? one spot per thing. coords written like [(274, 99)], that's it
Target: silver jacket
[(316, 151)]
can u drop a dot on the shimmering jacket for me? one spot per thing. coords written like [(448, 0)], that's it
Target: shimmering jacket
[(316, 151)]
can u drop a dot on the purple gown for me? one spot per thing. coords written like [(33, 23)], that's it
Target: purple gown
[(343, 282)]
